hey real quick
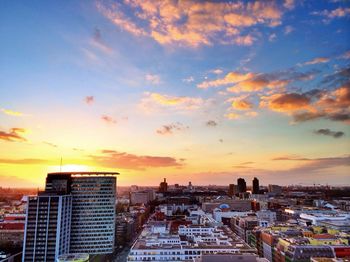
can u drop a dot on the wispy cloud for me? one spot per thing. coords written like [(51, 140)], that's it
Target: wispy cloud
[(329, 15), (108, 119), (151, 101), (14, 135), (317, 60), (50, 144), (23, 161), (171, 129), (153, 79), (328, 132), (123, 160), (11, 112)]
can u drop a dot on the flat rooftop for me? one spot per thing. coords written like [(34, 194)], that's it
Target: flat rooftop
[(86, 173)]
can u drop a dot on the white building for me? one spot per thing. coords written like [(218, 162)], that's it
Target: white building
[(190, 242)]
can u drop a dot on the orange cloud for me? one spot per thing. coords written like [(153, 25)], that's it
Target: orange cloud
[(230, 78), (150, 101), (11, 113), (123, 160), (287, 102), (14, 135), (181, 22), (242, 104)]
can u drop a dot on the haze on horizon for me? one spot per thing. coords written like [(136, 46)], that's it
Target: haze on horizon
[(197, 91)]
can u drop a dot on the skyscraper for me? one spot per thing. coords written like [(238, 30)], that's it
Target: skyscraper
[(163, 187), (75, 214), (255, 188), (232, 190), (242, 186), (47, 229)]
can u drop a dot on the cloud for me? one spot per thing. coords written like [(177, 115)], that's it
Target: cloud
[(171, 128), (315, 164), (217, 71), (10, 112), (242, 104), (24, 161), (288, 29), (181, 22), (230, 78), (89, 100), (251, 82), (50, 144), (154, 79), (332, 14), (211, 123), (232, 116), (151, 101), (189, 79), (289, 4), (123, 160), (108, 119), (328, 132), (286, 102), (346, 55), (15, 135), (272, 37), (317, 60)]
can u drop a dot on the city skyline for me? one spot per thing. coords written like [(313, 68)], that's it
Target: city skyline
[(197, 91)]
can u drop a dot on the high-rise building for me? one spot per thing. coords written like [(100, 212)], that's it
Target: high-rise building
[(242, 186), (163, 187), (255, 187), (75, 214), (93, 213), (47, 229)]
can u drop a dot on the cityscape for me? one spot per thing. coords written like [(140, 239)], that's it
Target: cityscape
[(175, 130)]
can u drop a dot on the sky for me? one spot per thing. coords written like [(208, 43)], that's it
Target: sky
[(200, 91)]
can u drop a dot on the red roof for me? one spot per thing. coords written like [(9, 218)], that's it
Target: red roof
[(324, 236)]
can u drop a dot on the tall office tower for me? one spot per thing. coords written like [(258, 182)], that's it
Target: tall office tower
[(163, 187), (255, 188), (242, 186), (93, 213), (75, 214), (47, 230)]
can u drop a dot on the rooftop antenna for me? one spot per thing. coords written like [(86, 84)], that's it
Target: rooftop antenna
[(61, 165)]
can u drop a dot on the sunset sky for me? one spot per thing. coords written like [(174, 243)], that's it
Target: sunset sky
[(188, 90)]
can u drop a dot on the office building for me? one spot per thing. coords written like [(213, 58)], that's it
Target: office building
[(75, 214), (242, 186), (47, 228), (232, 190), (255, 187)]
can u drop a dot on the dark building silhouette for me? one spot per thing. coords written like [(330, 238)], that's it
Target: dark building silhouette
[(163, 187), (255, 188), (242, 186), (232, 190)]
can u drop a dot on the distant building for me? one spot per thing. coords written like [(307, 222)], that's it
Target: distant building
[(12, 228), (163, 187), (255, 187), (142, 197), (232, 190), (242, 186), (275, 189)]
